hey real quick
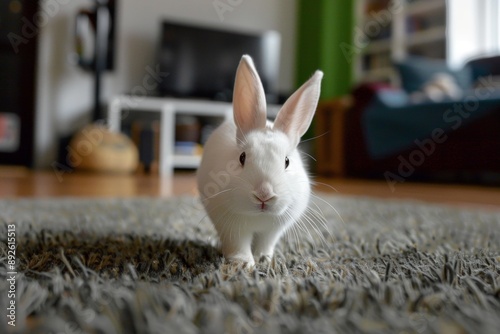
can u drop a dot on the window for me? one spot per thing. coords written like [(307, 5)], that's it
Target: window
[(474, 29)]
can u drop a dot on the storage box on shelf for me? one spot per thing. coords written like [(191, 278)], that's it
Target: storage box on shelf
[(185, 156)]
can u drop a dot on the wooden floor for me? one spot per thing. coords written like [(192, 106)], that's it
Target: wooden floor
[(16, 182)]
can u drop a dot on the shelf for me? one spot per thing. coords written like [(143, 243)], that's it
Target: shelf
[(169, 108), (425, 6), (187, 161), (426, 36), (383, 72), (381, 45), (417, 28), (374, 18), (182, 106)]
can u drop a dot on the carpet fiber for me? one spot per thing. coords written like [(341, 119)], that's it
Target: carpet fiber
[(153, 266)]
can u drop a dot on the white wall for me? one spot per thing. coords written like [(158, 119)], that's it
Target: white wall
[(64, 100)]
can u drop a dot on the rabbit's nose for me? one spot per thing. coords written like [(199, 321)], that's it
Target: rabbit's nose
[(264, 192)]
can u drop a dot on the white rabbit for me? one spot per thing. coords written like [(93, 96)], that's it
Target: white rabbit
[(252, 180)]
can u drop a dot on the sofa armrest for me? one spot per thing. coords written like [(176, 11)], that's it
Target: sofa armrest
[(484, 66)]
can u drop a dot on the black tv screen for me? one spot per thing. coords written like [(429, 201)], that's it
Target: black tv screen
[(201, 62)]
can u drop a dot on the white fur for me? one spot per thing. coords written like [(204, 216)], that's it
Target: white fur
[(231, 193)]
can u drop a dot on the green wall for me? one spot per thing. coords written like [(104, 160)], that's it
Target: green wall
[(323, 27)]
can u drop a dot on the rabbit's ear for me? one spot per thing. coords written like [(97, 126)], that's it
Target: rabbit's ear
[(296, 115), (249, 101)]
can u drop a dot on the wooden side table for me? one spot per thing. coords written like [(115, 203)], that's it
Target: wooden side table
[(330, 130)]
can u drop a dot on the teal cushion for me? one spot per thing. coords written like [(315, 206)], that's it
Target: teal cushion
[(415, 72)]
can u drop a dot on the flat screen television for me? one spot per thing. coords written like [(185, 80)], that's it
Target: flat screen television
[(201, 62)]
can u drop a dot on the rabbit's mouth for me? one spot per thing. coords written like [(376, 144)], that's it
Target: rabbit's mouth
[(264, 204), (269, 209), (264, 207)]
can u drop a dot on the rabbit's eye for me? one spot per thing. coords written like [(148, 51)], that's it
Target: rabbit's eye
[(287, 162), (242, 158)]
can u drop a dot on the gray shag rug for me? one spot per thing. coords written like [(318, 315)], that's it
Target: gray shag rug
[(152, 266)]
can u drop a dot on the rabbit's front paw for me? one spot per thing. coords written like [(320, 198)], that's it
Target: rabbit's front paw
[(240, 258)]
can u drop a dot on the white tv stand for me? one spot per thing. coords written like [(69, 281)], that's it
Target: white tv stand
[(168, 109)]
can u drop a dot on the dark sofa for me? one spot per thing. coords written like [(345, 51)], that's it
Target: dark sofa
[(389, 136)]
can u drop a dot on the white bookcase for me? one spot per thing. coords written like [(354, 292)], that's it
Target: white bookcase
[(393, 29), (168, 109)]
